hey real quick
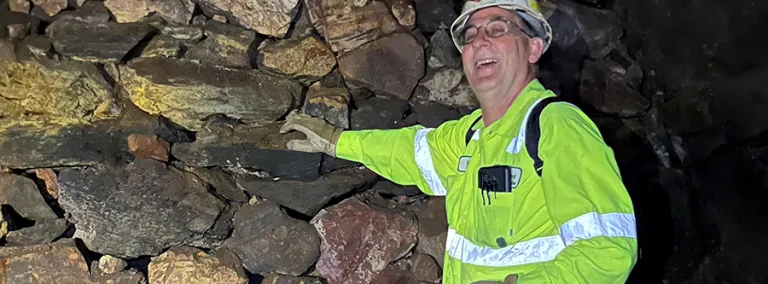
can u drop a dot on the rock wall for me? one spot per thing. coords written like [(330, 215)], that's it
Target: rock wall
[(139, 139)]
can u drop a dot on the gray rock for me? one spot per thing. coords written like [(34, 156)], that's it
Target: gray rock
[(175, 11), (23, 195), (42, 232), (331, 104), (433, 114), (309, 197), (390, 66), (442, 52), (378, 113), (17, 25), (139, 209), (449, 87), (380, 237), (162, 46), (600, 29), (434, 15), (249, 147), (110, 265), (267, 240), (7, 50), (34, 48), (187, 92), (103, 43), (607, 86), (268, 17), (225, 45), (93, 12), (222, 182)]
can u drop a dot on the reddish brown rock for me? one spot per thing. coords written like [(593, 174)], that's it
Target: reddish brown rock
[(358, 240), (398, 273), (275, 278), (390, 66), (348, 24), (49, 177), (149, 146), (433, 228), (60, 262)]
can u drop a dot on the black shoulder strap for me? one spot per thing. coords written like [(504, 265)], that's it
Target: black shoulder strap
[(533, 132), (469, 134)]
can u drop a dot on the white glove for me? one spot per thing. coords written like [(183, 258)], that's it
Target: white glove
[(321, 136)]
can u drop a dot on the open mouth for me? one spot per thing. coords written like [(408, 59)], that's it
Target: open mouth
[(485, 63)]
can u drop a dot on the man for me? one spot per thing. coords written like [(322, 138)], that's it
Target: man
[(568, 219)]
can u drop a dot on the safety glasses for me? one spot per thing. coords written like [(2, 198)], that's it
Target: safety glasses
[(493, 29)]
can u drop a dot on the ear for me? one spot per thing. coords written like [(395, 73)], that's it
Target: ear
[(536, 46)]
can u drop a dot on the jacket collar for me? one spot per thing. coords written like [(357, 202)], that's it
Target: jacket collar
[(510, 122)]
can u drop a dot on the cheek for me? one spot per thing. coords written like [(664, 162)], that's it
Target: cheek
[(466, 60)]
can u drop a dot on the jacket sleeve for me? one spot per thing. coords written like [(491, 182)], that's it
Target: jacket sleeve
[(587, 201), (414, 155)]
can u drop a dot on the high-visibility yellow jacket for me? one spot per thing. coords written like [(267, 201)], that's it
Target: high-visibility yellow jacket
[(573, 224)]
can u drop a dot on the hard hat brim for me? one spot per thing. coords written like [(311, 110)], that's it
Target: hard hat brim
[(539, 25)]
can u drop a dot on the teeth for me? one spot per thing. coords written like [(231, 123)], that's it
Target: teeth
[(486, 61)]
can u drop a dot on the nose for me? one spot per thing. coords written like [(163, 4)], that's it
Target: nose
[(481, 39)]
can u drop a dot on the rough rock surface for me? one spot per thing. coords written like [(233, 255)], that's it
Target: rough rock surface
[(395, 274), (192, 265), (149, 146), (21, 6), (268, 17), (600, 29), (188, 92), (442, 52), (51, 7), (448, 87), (48, 176), (390, 66), (225, 45), (434, 15), (17, 25), (403, 12), (174, 11), (378, 113), (22, 194), (432, 114), (433, 228), (92, 12), (425, 268), (347, 25), (137, 210), (309, 197), (608, 87), (331, 104), (275, 278), (42, 232), (267, 240), (103, 43), (110, 265), (382, 236), (251, 147), (222, 182), (306, 59), (60, 262)]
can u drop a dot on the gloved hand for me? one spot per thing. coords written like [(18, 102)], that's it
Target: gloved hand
[(321, 136)]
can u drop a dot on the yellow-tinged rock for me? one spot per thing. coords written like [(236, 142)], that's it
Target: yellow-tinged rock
[(306, 58), (53, 93), (191, 265), (187, 92)]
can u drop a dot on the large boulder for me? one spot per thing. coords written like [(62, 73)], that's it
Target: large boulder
[(309, 197), (268, 17), (381, 237), (224, 45), (346, 25), (109, 42), (187, 92), (139, 209), (268, 240), (390, 66), (249, 148)]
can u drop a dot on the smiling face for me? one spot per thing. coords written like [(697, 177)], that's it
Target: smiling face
[(494, 65)]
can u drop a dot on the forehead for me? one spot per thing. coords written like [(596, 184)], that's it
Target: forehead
[(487, 14)]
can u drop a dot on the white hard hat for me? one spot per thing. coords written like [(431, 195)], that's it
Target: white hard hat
[(527, 10)]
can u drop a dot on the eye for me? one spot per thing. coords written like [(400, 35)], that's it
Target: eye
[(497, 29), (470, 34)]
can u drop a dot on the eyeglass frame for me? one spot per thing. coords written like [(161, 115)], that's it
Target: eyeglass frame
[(527, 30)]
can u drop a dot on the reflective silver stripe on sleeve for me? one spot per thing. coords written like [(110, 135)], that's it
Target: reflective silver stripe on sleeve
[(423, 159), (542, 249)]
